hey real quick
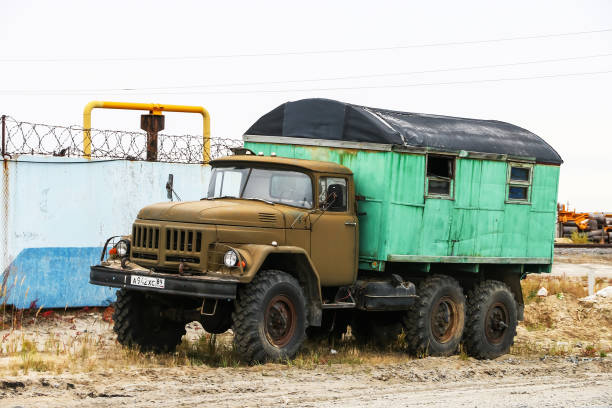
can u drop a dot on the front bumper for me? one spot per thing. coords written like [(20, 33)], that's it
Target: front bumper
[(202, 287)]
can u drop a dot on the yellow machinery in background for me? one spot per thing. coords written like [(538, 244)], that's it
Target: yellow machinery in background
[(596, 225)]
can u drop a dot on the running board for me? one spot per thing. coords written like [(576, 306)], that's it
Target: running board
[(339, 305)]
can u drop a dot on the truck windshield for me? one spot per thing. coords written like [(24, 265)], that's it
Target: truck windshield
[(276, 186)]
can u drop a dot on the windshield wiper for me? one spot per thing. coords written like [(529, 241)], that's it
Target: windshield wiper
[(217, 198)]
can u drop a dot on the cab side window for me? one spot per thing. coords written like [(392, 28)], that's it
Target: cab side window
[(332, 194)]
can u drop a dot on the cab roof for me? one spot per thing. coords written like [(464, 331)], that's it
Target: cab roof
[(313, 165)]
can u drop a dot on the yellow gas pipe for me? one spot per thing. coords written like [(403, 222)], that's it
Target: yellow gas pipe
[(154, 109)]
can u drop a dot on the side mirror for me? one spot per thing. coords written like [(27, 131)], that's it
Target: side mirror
[(334, 197), (170, 186)]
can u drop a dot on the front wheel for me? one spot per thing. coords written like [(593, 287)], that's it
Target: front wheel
[(491, 320), (270, 317), (139, 323)]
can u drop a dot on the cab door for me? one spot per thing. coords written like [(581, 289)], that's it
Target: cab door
[(335, 231)]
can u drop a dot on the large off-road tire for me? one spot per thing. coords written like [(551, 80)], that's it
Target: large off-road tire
[(434, 324), (269, 317), (491, 320), (138, 323)]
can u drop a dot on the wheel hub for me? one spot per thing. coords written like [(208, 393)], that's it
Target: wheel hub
[(496, 323), (280, 320), (444, 319)]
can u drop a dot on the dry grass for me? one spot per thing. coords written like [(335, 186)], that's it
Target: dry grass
[(580, 238), (559, 285), (50, 341), (66, 348), (560, 324), (83, 355), (560, 349)]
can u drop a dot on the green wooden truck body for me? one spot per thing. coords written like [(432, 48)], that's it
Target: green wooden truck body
[(477, 220)]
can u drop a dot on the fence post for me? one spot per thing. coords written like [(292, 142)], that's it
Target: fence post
[(3, 135), (152, 124)]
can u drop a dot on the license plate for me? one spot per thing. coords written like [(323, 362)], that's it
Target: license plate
[(147, 281)]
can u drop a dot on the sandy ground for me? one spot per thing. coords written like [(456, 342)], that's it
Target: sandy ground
[(582, 261), (562, 357), (582, 269), (557, 361), (439, 382)]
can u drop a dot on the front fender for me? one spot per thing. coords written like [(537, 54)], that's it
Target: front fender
[(290, 259), (255, 256)]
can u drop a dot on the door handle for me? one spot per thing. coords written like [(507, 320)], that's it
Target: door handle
[(351, 223)]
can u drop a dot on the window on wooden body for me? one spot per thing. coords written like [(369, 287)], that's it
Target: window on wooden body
[(519, 182), (333, 194), (440, 176)]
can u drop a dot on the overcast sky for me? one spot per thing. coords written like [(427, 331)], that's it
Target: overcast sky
[(57, 55)]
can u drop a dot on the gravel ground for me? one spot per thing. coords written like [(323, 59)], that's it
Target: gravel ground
[(582, 269), (577, 262), (431, 382)]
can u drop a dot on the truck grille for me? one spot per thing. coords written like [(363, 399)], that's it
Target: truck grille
[(145, 237), (143, 255), (167, 246), (191, 259), (183, 240)]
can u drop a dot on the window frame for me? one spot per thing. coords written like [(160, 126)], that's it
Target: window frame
[(451, 193), (252, 166), (518, 183), (347, 192)]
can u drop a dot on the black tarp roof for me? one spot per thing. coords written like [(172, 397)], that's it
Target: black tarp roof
[(334, 120)]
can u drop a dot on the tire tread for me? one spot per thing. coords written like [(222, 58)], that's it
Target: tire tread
[(246, 314), (131, 331), (415, 320), (473, 339)]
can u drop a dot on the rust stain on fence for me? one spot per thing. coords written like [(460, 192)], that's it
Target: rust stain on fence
[(4, 236), (3, 146)]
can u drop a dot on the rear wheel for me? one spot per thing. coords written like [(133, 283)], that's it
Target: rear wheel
[(270, 317), (491, 320), (138, 323), (434, 324)]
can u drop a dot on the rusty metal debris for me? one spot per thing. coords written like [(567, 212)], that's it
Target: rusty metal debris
[(595, 226)]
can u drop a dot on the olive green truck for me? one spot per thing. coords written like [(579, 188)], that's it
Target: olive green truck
[(336, 215)]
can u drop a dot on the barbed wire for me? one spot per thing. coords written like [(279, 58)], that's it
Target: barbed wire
[(25, 138)]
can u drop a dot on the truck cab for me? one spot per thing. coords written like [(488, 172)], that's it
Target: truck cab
[(256, 204)]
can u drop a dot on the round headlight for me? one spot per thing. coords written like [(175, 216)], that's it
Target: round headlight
[(123, 248), (230, 258)]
